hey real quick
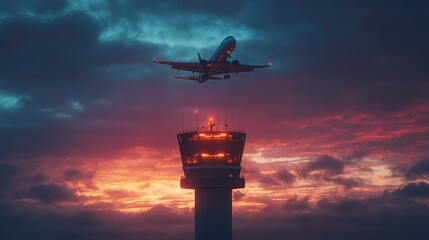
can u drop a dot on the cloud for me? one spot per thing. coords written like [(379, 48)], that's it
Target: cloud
[(267, 180), (420, 169), (77, 177), (330, 169), (238, 195), (7, 173), (342, 205), (285, 176), (297, 204), (50, 193), (73, 174), (348, 183), (338, 218), (414, 190), (325, 164)]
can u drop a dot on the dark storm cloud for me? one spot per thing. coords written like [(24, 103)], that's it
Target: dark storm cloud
[(280, 178), (50, 193), (63, 52), (7, 172), (348, 183), (238, 195), (420, 169), (56, 66), (336, 57), (77, 176), (39, 6), (170, 7), (51, 52), (414, 190), (329, 169), (370, 218), (267, 181), (24, 222), (73, 175), (326, 164), (342, 218), (285, 176), (341, 206), (50, 6), (296, 204)]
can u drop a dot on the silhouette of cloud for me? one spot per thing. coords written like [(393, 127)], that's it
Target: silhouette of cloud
[(325, 164), (341, 206), (420, 169), (267, 180), (414, 190), (73, 174), (297, 204), (238, 195), (348, 183), (285, 176), (335, 218), (7, 172), (50, 193)]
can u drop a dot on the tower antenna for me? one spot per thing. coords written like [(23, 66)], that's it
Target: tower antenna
[(196, 120), (233, 120), (239, 120)]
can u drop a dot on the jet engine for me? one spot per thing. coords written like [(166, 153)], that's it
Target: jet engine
[(235, 63)]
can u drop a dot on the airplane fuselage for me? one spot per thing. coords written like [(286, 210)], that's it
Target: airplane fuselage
[(224, 50), (218, 58)]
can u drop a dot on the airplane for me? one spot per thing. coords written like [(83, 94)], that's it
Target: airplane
[(217, 64)]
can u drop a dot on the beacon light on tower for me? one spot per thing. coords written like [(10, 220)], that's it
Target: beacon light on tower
[(212, 163)]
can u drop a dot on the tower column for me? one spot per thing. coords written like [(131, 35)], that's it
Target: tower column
[(213, 213)]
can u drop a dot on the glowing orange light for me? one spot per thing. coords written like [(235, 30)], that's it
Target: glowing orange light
[(211, 136), (218, 155)]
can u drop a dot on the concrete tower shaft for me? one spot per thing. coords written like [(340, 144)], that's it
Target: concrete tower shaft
[(212, 164)]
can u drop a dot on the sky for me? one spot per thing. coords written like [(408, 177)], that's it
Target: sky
[(337, 129)]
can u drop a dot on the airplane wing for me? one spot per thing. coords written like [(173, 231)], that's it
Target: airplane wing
[(195, 78), (187, 66), (245, 68)]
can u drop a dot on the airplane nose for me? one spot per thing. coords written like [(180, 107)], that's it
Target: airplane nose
[(232, 41)]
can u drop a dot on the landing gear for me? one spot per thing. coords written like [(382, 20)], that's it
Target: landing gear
[(226, 76)]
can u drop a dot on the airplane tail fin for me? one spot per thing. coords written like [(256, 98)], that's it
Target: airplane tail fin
[(199, 57)]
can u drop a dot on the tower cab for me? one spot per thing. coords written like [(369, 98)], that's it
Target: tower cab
[(211, 157)]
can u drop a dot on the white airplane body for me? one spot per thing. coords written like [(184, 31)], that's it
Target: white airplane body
[(218, 64)]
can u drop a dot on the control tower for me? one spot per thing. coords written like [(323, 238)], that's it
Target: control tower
[(212, 163)]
